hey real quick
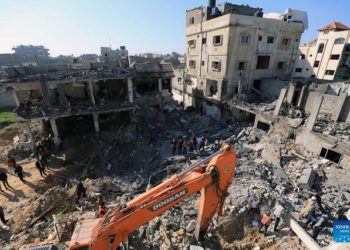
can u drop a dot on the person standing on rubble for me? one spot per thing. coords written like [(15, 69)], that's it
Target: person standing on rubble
[(191, 145), (253, 196), (180, 145), (313, 214), (305, 212), (184, 148), (266, 221), (99, 202), (102, 210), (80, 190), (2, 216), (194, 140), (277, 211), (45, 154), (40, 165), (11, 163), (320, 224), (318, 200), (173, 145), (19, 172), (202, 144), (3, 178)]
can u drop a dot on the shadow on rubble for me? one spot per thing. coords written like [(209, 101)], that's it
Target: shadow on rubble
[(55, 163), (9, 196), (29, 184), (18, 193)]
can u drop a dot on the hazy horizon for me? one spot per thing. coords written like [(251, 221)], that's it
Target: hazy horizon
[(83, 26)]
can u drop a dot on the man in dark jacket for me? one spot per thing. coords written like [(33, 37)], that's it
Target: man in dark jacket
[(194, 139), (173, 144), (40, 165), (319, 226), (19, 172), (3, 178), (80, 190)]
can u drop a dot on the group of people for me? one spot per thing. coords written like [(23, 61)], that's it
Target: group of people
[(42, 155), (183, 146), (266, 216), (17, 170), (101, 208), (315, 215), (13, 167), (313, 211)]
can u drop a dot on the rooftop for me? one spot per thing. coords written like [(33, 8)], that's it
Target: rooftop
[(338, 26)]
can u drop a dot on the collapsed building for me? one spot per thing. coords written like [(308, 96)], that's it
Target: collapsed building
[(85, 97), (307, 127), (315, 116)]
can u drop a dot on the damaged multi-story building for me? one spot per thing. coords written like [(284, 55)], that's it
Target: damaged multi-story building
[(25, 55), (234, 49), (327, 57), (85, 97), (118, 56)]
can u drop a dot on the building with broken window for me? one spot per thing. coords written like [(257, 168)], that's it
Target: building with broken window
[(232, 49), (327, 57)]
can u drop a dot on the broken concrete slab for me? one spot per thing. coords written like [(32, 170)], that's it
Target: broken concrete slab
[(280, 101), (338, 106), (307, 178), (303, 235), (316, 109)]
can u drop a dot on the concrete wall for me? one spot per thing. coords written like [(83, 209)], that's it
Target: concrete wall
[(345, 112), (211, 110), (6, 99), (271, 88), (328, 104), (314, 142), (78, 92), (242, 115)]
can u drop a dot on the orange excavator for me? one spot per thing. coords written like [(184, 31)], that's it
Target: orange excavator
[(211, 176)]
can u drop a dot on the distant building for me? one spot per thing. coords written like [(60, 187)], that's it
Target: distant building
[(119, 56), (25, 55), (327, 57), (89, 58), (150, 55), (232, 49), (35, 51)]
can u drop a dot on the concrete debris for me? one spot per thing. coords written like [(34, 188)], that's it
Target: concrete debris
[(272, 169)]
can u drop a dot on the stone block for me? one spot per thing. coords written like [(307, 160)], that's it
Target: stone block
[(306, 179)]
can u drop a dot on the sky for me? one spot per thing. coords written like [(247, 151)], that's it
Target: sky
[(83, 26)]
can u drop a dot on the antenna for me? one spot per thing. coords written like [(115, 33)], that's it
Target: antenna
[(109, 39)]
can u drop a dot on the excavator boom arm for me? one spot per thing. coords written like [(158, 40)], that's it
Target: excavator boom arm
[(212, 178)]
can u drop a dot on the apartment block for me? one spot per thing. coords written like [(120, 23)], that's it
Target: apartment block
[(119, 56), (327, 57), (232, 49)]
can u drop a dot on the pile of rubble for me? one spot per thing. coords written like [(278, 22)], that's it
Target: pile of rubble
[(326, 126), (137, 157)]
